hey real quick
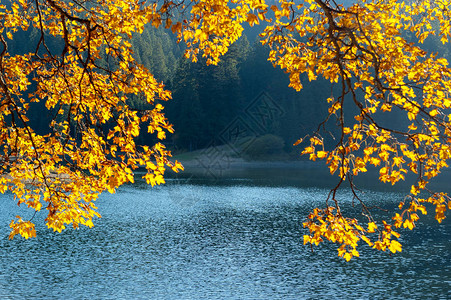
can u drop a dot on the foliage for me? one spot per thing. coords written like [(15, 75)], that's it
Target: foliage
[(364, 48), (206, 98), (157, 50), (90, 147)]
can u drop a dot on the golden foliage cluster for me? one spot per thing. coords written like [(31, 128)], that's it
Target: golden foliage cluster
[(86, 86), (363, 48)]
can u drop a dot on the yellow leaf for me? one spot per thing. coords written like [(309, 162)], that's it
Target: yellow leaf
[(395, 246), (321, 154), (252, 19), (347, 256), (297, 142), (371, 227)]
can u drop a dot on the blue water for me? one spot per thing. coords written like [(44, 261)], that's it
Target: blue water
[(233, 240)]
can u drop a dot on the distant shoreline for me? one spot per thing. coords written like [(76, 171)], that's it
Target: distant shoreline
[(222, 156), (252, 164)]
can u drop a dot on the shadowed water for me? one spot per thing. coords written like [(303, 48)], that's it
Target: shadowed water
[(231, 240)]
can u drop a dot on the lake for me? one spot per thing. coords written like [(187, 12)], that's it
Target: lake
[(238, 237)]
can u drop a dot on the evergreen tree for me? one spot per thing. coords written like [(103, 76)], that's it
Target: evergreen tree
[(206, 98)]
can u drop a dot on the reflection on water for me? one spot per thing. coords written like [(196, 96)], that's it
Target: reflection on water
[(233, 240)]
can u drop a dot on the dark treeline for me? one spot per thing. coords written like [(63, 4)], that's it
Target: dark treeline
[(242, 98), (245, 96)]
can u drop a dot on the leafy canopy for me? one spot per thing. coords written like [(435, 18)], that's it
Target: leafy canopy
[(372, 50)]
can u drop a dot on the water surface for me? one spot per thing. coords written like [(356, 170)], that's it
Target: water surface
[(239, 238)]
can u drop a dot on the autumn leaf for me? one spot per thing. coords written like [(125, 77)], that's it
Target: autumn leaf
[(93, 145)]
